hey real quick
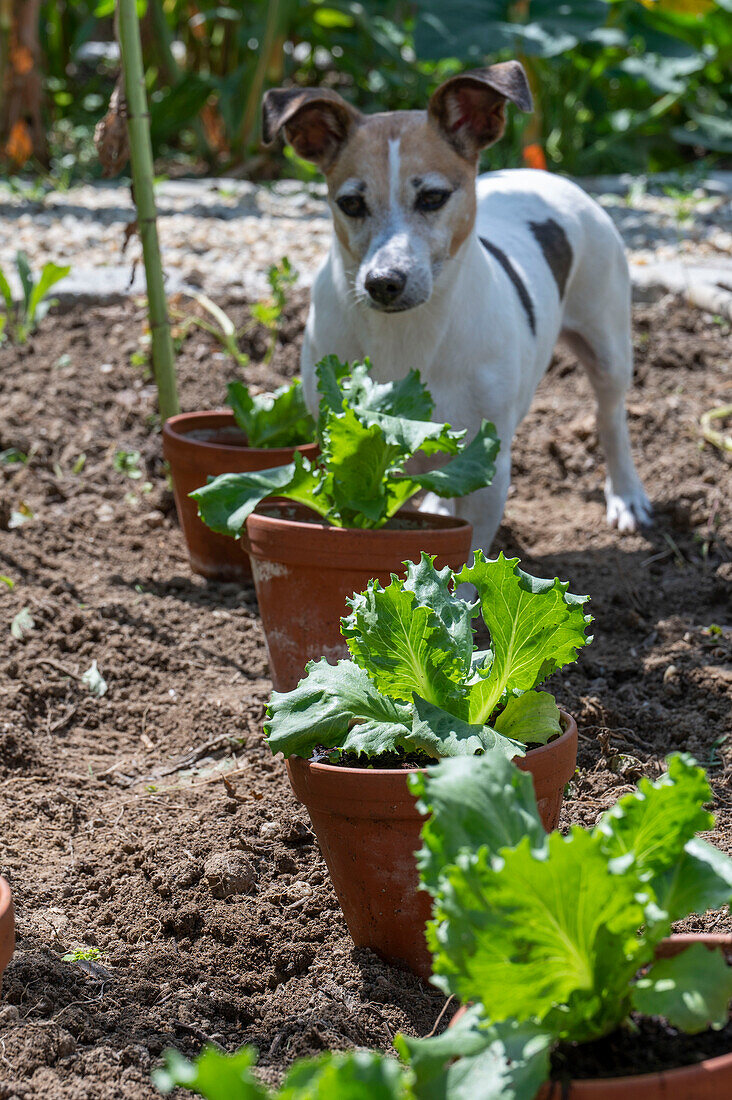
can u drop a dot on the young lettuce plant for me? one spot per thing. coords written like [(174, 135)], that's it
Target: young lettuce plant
[(367, 432), (552, 938), (416, 684), (356, 1076), (278, 419)]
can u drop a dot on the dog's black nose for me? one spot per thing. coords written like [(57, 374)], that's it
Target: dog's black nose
[(385, 286)]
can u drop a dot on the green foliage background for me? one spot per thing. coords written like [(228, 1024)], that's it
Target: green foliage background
[(620, 85)]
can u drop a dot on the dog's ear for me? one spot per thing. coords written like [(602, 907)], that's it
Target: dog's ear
[(470, 109), (316, 121)]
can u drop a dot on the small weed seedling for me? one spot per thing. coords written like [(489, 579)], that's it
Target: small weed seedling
[(128, 463), (280, 277), (268, 313), (367, 432), (83, 954), (20, 320)]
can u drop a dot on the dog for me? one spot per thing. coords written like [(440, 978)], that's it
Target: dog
[(470, 281)]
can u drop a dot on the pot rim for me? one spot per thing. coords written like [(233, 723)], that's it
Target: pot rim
[(271, 524), (568, 721), (176, 429)]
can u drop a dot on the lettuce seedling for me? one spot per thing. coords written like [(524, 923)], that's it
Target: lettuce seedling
[(416, 682), (278, 419), (356, 1076), (367, 432), (552, 937)]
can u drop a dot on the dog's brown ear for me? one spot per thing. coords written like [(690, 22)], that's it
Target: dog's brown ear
[(470, 109), (316, 121)]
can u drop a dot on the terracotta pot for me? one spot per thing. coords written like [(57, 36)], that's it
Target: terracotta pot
[(7, 927), (368, 827), (218, 447), (710, 1079), (304, 571)]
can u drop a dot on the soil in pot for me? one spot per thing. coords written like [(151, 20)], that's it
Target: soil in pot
[(7, 927), (200, 445), (304, 571), (368, 828)]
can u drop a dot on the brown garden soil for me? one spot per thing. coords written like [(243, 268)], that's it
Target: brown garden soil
[(118, 831)]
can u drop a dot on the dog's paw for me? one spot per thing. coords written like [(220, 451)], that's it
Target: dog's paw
[(628, 511)]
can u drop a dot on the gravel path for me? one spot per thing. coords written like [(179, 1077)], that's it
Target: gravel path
[(221, 235)]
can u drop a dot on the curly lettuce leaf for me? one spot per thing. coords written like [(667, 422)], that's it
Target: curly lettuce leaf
[(405, 647), (279, 419), (473, 468), (699, 880), (531, 718), (356, 460), (536, 627), (652, 825), (214, 1075), (548, 935), (339, 707), (227, 501), (471, 804), (476, 1061), (431, 588), (440, 734), (692, 990), (358, 1075)]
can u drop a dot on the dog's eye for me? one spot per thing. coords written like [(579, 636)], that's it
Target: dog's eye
[(432, 199), (353, 206)]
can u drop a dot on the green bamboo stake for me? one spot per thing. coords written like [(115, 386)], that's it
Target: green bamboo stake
[(138, 123)]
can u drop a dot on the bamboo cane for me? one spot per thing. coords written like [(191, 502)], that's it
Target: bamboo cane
[(138, 121)]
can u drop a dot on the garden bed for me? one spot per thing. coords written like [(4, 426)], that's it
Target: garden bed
[(117, 831)]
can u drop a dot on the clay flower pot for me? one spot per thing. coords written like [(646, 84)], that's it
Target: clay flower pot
[(368, 828), (7, 927), (200, 445), (710, 1079), (304, 571)]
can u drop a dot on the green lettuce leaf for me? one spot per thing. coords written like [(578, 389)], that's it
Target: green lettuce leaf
[(405, 647), (699, 880), (507, 1061), (536, 627), (226, 502), (440, 734), (214, 1075), (472, 469), (692, 990), (360, 1075), (356, 460), (652, 825), (473, 803), (548, 935), (279, 419), (431, 588), (339, 707), (532, 717)]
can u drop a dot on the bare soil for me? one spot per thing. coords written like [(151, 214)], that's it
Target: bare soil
[(118, 831)]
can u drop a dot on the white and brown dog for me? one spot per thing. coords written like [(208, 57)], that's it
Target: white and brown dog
[(471, 282)]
